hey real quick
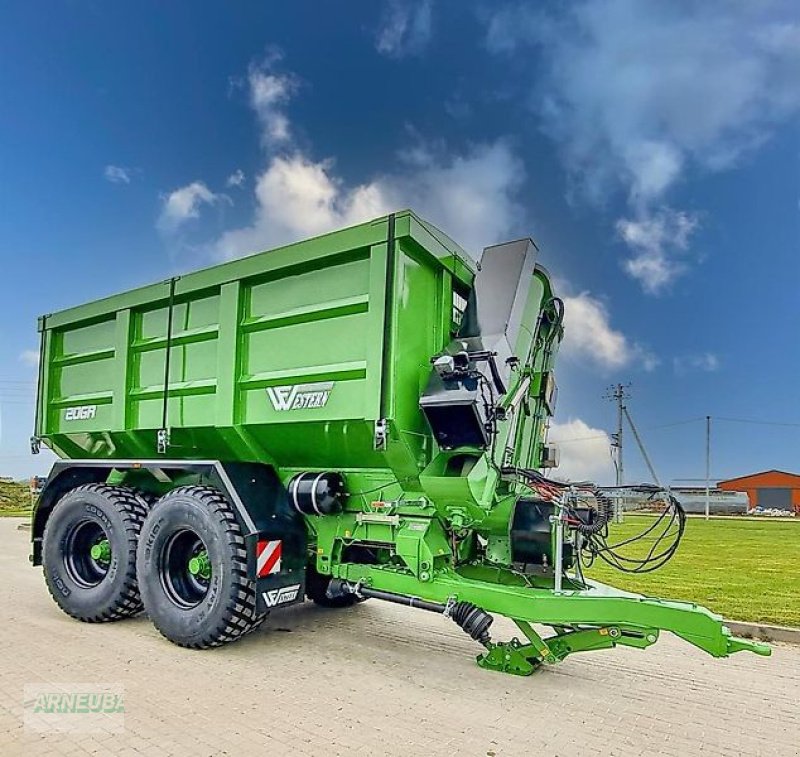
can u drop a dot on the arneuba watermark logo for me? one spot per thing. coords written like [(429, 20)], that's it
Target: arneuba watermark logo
[(300, 396), (74, 707)]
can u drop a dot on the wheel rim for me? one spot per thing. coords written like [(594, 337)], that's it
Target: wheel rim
[(87, 554), (185, 568)]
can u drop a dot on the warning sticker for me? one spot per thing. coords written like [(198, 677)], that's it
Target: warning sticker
[(268, 557)]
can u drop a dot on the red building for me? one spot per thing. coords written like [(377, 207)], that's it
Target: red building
[(770, 488)]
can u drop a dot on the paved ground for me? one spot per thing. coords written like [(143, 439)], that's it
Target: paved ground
[(379, 679)]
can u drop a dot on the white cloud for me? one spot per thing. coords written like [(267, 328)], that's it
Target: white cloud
[(295, 198), (584, 452), (657, 242), (405, 28), (118, 174), (269, 92), (588, 334), (470, 194), (706, 362), (184, 203), (30, 358), (236, 179), (636, 94)]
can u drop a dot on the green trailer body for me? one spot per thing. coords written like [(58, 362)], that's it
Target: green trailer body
[(311, 313), (316, 388)]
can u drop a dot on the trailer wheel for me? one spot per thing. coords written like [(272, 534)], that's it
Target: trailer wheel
[(192, 568), (317, 586), (89, 552)]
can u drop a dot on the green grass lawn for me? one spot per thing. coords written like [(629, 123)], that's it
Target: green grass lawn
[(15, 499), (744, 569)]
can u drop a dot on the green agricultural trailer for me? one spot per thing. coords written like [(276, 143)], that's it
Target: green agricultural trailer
[(359, 415)]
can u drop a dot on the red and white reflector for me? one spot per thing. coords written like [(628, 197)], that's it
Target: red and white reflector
[(268, 557)]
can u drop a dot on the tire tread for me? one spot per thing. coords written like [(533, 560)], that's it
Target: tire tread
[(241, 617), (133, 510)]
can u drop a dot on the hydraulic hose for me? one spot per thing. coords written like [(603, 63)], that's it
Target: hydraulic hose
[(605, 509)]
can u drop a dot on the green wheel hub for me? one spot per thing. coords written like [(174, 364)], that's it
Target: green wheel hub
[(200, 565), (101, 551)]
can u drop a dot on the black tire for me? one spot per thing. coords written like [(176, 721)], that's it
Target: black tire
[(92, 589), (317, 586), (189, 609), (147, 497)]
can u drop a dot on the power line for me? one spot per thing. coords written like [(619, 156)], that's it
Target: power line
[(756, 422), (675, 423), (644, 428), (580, 439), (698, 419)]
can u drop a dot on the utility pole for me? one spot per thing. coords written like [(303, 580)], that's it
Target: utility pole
[(708, 465), (619, 393), (642, 449)]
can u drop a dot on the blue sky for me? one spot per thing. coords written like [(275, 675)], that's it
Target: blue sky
[(650, 148)]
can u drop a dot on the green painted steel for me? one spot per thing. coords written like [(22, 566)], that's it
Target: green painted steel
[(313, 357)]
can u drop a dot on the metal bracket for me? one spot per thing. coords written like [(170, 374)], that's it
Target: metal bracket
[(381, 434), (536, 641), (591, 639), (390, 520), (511, 657), (162, 440)]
